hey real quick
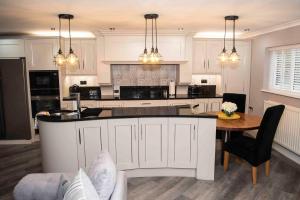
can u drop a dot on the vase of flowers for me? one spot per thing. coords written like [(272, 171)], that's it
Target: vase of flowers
[(229, 108)]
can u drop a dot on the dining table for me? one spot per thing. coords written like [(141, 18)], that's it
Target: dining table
[(228, 126)]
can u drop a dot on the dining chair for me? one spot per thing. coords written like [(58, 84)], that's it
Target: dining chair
[(256, 151)]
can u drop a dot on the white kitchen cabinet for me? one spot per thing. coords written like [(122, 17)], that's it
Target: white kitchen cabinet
[(12, 48), (40, 53), (208, 105), (205, 56), (179, 102), (123, 142), (182, 142), (86, 52), (89, 104), (110, 104), (153, 142), (214, 104), (144, 103), (92, 139), (129, 47)]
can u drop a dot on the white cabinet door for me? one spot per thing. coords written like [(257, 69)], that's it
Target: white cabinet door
[(144, 103), (203, 104), (213, 49), (172, 48), (182, 142), (153, 142), (40, 53), (199, 57), (88, 56), (123, 142), (93, 138), (110, 104), (214, 105), (12, 48), (179, 102)]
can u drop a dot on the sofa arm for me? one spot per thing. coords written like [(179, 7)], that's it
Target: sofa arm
[(38, 186), (120, 191)]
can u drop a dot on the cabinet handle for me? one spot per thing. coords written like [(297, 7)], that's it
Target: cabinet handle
[(145, 103), (225, 87), (204, 64), (206, 108), (141, 132), (79, 134), (194, 132), (134, 132), (83, 64), (208, 63)]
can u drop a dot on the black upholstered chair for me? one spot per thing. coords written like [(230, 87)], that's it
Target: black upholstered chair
[(257, 150)]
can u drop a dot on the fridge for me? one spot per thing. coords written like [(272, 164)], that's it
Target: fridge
[(14, 110)]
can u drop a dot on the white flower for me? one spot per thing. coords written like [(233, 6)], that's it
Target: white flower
[(229, 107)]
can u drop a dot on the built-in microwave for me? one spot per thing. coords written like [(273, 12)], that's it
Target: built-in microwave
[(44, 82)]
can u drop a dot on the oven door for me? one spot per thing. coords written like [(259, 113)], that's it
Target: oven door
[(50, 104)]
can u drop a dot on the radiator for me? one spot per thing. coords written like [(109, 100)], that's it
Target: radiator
[(288, 131)]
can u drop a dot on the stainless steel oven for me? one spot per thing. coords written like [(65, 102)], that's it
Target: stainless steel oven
[(44, 89)]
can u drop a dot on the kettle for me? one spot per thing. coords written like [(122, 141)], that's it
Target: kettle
[(73, 89)]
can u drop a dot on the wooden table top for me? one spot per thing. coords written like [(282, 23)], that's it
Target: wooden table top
[(245, 122)]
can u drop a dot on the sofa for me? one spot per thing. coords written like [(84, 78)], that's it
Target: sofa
[(103, 177)]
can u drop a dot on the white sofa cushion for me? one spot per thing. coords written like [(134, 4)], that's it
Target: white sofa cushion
[(81, 188), (103, 174)]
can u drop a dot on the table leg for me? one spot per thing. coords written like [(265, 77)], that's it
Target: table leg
[(225, 138)]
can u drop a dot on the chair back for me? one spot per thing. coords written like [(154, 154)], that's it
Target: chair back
[(266, 132), (238, 99)]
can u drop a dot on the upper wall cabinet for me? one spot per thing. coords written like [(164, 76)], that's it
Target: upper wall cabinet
[(128, 48), (86, 52), (205, 56), (12, 48), (40, 53)]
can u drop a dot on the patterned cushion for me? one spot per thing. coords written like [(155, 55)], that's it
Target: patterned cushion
[(81, 188), (103, 174)]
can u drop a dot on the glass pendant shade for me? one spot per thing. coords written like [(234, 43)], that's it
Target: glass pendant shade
[(144, 57), (72, 59), (60, 58), (223, 57), (234, 56)]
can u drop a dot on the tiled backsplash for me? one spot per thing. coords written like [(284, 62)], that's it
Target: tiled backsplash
[(136, 75)]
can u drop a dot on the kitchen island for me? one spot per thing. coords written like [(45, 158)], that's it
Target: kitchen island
[(148, 141)]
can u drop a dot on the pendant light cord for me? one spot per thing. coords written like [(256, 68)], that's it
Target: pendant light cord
[(70, 34), (225, 35), (146, 30), (155, 35), (234, 34), (59, 37), (152, 32)]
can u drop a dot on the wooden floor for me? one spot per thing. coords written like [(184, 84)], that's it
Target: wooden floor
[(284, 182)]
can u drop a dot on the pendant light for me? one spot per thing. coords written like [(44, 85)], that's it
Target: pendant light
[(154, 56), (223, 57), (234, 56), (144, 56), (72, 59), (60, 58)]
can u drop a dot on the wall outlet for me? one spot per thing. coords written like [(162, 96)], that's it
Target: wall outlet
[(82, 82)]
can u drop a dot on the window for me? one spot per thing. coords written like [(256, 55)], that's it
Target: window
[(285, 69)]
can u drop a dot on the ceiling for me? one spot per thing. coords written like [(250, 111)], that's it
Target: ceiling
[(25, 16)]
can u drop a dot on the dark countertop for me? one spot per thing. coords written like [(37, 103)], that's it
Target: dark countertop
[(116, 113), (112, 98)]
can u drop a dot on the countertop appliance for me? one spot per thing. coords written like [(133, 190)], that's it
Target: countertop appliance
[(144, 92), (44, 90), (14, 107), (202, 90), (86, 92)]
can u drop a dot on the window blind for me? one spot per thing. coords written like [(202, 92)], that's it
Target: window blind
[(285, 65)]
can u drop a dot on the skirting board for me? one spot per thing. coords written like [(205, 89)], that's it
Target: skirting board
[(292, 156), (8, 142), (161, 172)]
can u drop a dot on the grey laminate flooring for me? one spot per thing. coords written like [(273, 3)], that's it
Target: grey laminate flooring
[(284, 182)]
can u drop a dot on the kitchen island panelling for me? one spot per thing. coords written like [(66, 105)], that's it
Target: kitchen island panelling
[(156, 141)]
